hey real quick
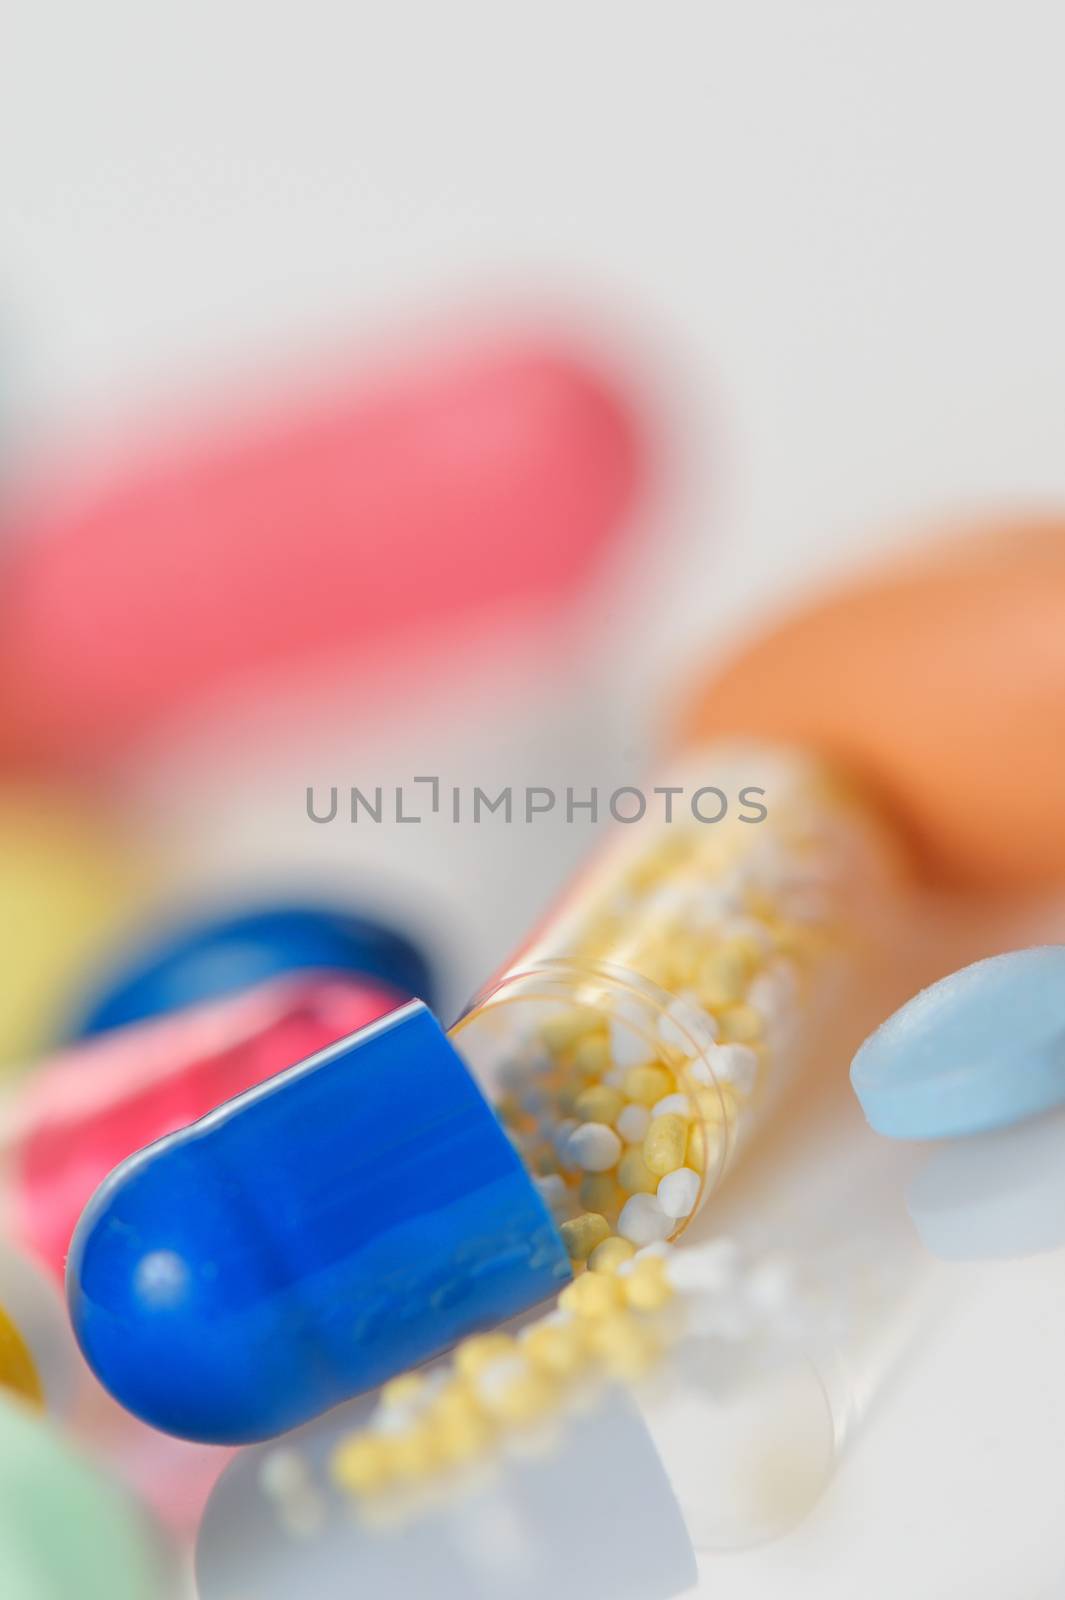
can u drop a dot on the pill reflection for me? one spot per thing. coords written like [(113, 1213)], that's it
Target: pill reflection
[(994, 1195)]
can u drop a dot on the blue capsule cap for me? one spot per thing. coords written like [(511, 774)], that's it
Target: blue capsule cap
[(342, 1222), (978, 1050), (206, 959)]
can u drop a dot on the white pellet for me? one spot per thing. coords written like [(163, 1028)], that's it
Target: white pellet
[(560, 1139), (553, 1192), (660, 1251), (736, 1064), (628, 1048), (642, 1220), (705, 1267), (633, 1122), (678, 1192), (686, 1027), (676, 1105), (595, 1147)]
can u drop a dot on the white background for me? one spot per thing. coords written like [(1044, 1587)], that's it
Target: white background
[(830, 236)]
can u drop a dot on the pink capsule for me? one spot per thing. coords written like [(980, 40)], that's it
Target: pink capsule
[(356, 527), (88, 1109)]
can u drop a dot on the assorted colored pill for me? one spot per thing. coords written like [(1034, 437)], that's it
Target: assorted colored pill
[(18, 1370), (38, 1356), (82, 1113), (879, 677), (67, 888), (210, 957), (308, 1240), (981, 1049), (65, 1530), (366, 1209), (487, 479)]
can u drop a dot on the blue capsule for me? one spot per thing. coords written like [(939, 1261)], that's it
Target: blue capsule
[(204, 960), (348, 1219)]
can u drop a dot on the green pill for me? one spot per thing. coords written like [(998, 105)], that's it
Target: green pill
[(65, 1529)]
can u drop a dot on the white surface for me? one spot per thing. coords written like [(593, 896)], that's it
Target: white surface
[(834, 231)]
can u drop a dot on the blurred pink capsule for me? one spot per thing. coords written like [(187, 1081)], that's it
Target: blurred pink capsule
[(491, 479)]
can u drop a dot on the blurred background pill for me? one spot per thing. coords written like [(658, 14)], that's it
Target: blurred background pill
[(939, 680), (68, 884), (183, 963), (35, 1311), (360, 523), (84, 1111), (65, 1528)]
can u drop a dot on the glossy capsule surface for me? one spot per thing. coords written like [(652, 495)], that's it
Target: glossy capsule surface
[(85, 1111), (308, 1240), (210, 956)]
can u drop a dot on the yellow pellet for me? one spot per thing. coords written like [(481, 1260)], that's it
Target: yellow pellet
[(524, 1398), (648, 1085), (594, 1295), (646, 1287), (361, 1464), (461, 1438), (404, 1390), (665, 1143), (591, 1057), (599, 1103), (556, 1350), (565, 1028), (739, 1024), (583, 1233), (608, 1256), (695, 1155), (480, 1351), (624, 1346), (599, 1192), (634, 1175), (413, 1453), (724, 975)]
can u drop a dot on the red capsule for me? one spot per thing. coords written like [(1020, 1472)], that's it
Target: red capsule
[(82, 1113)]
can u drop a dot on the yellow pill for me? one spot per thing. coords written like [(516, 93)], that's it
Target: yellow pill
[(473, 1355), (646, 1287), (559, 1351), (591, 1057), (594, 1295), (608, 1256), (66, 893), (665, 1144), (739, 1024), (582, 1234), (695, 1155), (648, 1085), (599, 1192), (361, 1464), (18, 1370), (634, 1175), (599, 1103)]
